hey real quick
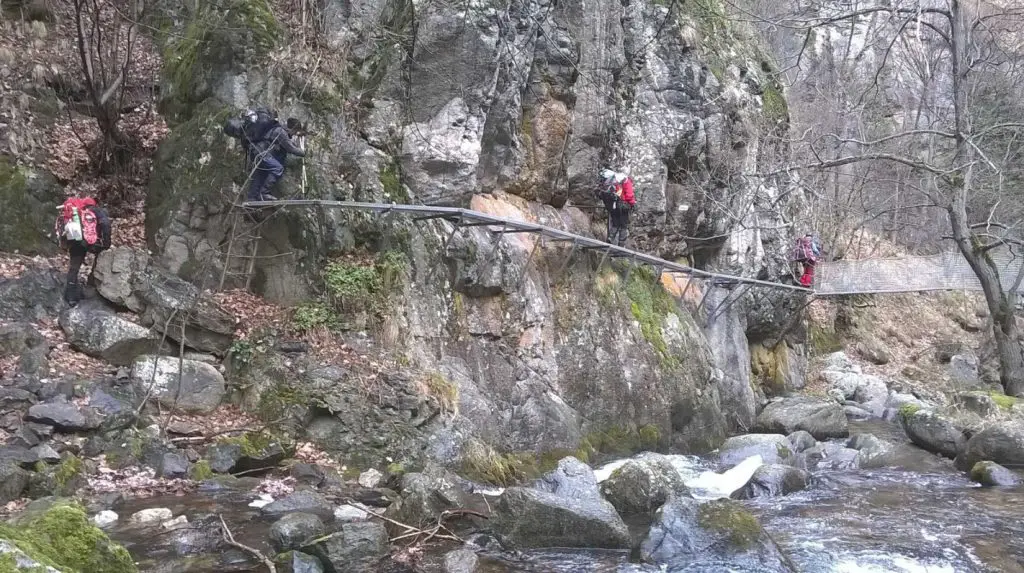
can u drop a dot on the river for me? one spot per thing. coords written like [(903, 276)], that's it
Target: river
[(921, 517)]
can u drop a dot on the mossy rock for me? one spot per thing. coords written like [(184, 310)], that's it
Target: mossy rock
[(62, 537), (730, 518), (28, 200), (62, 479)]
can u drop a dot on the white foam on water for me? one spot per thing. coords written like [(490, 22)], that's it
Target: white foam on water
[(894, 564), (604, 472), (711, 485)]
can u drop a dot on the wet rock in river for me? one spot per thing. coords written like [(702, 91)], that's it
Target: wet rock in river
[(801, 441), (357, 548), (772, 480), (531, 518), (301, 501), (932, 431), (295, 530), (643, 484), (721, 534), (571, 478), (822, 418), (1001, 442), (992, 474), (424, 497), (773, 449), (151, 515)]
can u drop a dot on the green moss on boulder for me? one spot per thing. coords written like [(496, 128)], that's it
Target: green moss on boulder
[(728, 517), (28, 200), (62, 537)]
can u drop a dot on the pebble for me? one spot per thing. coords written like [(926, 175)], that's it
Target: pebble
[(371, 478)]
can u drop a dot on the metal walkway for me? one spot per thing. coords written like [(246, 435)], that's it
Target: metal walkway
[(501, 225), (948, 271)]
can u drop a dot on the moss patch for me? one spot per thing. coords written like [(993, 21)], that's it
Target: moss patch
[(823, 340), (728, 517), (1002, 400), (650, 304), (391, 180), (27, 201), (443, 390), (252, 443), (63, 538), (773, 104), (200, 471), (769, 367), (908, 410)]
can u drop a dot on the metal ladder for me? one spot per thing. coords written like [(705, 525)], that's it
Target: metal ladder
[(243, 245)]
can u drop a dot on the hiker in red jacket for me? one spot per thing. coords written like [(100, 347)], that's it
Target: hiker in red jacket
[(82, 227), (616, 191)]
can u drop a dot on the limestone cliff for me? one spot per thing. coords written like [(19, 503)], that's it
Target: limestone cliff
[(509, 108)]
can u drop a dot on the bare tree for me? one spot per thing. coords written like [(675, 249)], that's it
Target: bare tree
[(107, 32), (936, 114)]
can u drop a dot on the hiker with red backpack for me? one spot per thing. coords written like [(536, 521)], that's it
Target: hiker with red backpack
[(616, 192), (83, 227), (806, 253)]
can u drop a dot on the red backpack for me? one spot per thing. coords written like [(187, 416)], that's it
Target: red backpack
[(82, 221)]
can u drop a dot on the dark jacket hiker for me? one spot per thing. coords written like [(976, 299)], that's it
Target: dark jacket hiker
[(267, 144)]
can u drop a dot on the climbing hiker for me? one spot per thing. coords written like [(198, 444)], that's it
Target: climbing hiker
[(83, 227), (806, 253), (616, 191), (267, 145)]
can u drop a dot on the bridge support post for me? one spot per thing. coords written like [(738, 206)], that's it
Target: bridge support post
[(565, 264), (529, 259)]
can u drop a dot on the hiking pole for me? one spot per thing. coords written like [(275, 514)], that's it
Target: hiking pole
[(302, 138)]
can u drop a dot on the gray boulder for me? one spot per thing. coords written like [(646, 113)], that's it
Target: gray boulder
[(992, 474), (128, 277), (643, 484), (930, 431), (821, 418), (13, 481), (18, 561), (461, 561), (832, 456), (873, 452), (571, 478), (963, 370), (64, 416), (773, 449), (35, 295), (1000, 442), (223, 457), (713, 536), (530, 518), (173, 465), (295, 530), (201, 386), (23, 340), (101, 333), (424, 497), (305, 563), (801, 441), (868, 391), (46, 454), (771, 480), (980, 403), (357, 548), (301, 501)]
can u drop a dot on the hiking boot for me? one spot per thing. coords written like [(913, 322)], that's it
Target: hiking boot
[(268, 197)]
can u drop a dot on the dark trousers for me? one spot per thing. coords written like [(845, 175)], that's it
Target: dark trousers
[(266, 174), (618, 223), (73, 289)]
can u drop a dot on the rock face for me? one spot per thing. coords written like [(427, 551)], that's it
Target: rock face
[(929, 430), (529, 518), (1000, 442), (587, 348), (28, 198), (357, 548), (717, 535), (869, 392), (27, 343), (35, 295), (643, 484), (993, 474), (189, 385), (129, 278), (102, 334), (821, 418)]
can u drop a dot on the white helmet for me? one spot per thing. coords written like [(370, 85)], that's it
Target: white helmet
[(607, 174)]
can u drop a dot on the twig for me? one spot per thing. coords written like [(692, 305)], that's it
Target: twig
[(205, 437), (230, 540)]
